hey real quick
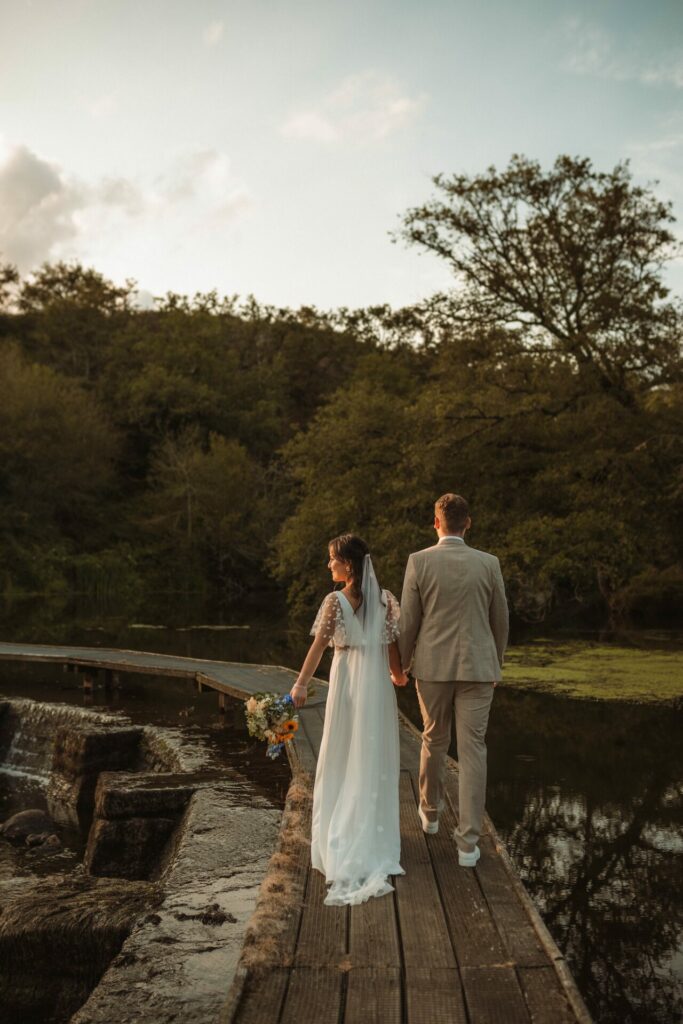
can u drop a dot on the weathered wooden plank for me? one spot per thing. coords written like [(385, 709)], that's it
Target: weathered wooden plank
[(567, 982), (517, 932), (322, 938), (235, 678), (544, 996), (262, 996), (423, 929), (373, 996), (410, 744), (373, 933), (314, 994), (471, 924), (296, 872), (493, 996), (301, 753), (313, 722), (434, 996)]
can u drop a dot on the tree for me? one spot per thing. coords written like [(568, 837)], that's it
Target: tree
[(68, 315), (57, 466), (347, 472), (205, 504), (570, 259), (9, 280)]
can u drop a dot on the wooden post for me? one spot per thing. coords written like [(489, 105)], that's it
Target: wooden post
[(221, 702), (199, 686), (88, 683)]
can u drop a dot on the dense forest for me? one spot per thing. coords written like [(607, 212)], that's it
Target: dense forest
[(215, 444)]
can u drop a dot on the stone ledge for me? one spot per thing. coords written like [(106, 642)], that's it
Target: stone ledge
[(179, 961), (77, 922)]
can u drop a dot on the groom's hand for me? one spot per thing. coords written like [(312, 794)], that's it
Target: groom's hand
[(399, 679)]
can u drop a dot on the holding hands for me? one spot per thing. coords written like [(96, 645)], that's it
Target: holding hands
[(399, 678), (398, 675)]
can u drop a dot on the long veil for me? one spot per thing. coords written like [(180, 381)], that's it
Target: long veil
[(373, 609)]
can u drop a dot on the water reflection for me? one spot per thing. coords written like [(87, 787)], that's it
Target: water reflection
[(589, 801), (585, 795)]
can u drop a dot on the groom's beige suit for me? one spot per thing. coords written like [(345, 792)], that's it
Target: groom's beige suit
[(454, 631)]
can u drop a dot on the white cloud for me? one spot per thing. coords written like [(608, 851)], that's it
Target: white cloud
[(45, 215), (310, 125), (37, 207), (668, 72), (143, 299), (121, 193), (661, 159), (203, 182), (365, 107), (593, 52), (213, 33)]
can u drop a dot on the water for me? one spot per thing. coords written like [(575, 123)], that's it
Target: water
[(19, 791), (587, 796), (588, 800)]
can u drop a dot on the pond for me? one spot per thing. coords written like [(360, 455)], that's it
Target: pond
[(586, 795)]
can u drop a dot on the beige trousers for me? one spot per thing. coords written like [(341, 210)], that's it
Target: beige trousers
[(472, 703)]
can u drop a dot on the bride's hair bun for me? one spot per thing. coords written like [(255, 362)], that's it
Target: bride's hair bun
[(351, 548)]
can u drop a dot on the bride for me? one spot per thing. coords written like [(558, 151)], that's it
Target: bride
[(355, 840)]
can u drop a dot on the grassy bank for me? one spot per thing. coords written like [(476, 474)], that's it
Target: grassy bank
[(582, 669)]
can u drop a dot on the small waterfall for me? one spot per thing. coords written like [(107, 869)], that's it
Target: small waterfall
[(27, 734)]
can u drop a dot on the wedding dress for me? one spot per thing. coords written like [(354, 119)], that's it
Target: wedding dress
[(355, 839)]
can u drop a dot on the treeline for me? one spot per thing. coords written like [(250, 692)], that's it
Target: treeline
[(213, 444)]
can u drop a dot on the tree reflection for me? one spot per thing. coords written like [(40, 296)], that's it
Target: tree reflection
[(592, 819)]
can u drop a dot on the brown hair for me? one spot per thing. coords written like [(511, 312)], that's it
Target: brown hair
[(352, 549), (453, 511)]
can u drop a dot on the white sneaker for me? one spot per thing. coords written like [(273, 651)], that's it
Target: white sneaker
[(431, 827), (469, 860)]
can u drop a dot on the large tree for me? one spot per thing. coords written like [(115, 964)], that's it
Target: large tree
[(570, 259)]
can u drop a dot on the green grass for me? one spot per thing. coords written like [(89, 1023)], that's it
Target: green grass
[(581, 669)]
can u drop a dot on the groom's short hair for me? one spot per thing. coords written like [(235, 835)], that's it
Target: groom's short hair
[(452, 510)]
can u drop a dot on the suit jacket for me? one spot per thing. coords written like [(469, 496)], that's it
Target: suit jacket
[(454, 614)]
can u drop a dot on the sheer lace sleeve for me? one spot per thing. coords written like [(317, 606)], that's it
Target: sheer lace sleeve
[(391, 622), (329, 622)]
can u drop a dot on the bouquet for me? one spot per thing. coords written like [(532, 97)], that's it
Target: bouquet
[(270, 717)]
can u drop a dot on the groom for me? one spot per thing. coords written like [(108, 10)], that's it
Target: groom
[(454, 630)]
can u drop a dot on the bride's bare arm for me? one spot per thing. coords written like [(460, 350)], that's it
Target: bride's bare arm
[(311, 662), (398, 676)]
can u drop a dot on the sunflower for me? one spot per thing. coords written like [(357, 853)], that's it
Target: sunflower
[(289, 727)]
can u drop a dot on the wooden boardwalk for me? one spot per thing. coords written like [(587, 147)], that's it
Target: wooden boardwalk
[(451, 945)]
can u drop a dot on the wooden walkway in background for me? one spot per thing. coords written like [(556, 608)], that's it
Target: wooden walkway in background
[(451, 945)]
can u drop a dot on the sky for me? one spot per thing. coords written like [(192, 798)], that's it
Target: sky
[(270, 147)]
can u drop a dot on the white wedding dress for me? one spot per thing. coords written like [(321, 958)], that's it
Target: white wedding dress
[(355, 838)]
